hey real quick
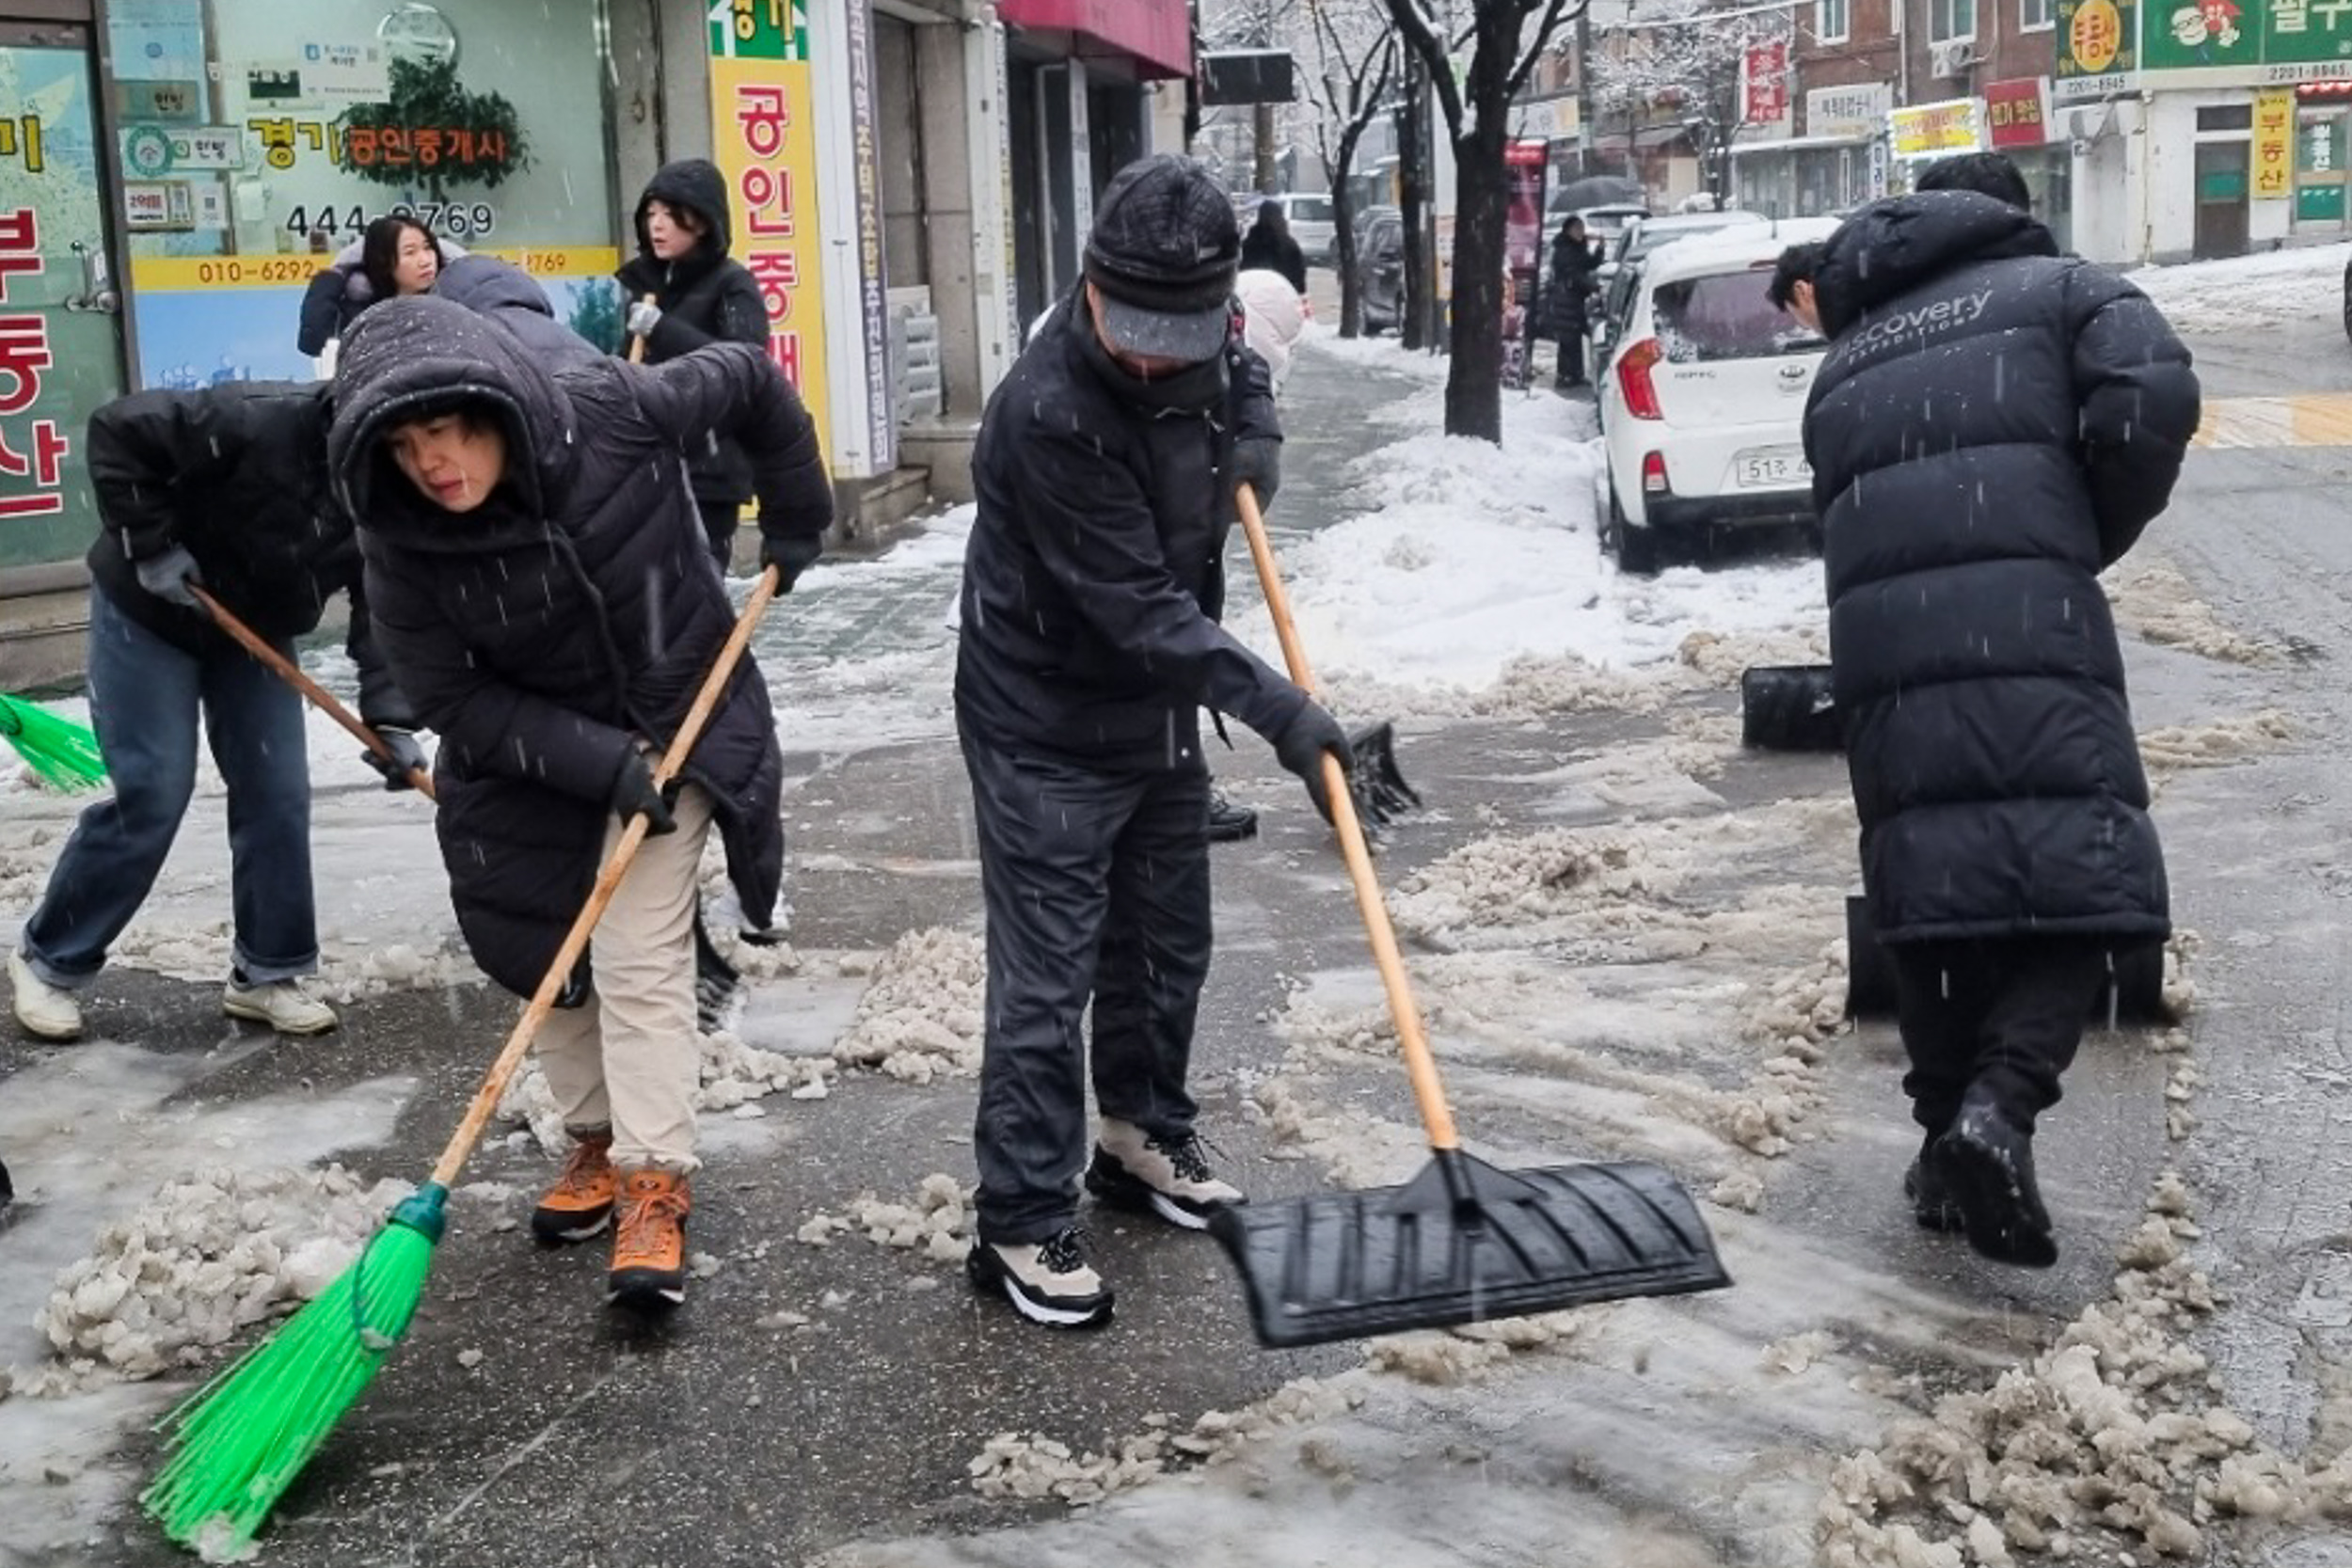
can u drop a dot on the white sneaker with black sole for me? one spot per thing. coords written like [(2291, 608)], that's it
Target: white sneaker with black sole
[(1167, 1177), (1047, 1282)]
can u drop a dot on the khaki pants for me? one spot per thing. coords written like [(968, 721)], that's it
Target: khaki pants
[(629, 1056)]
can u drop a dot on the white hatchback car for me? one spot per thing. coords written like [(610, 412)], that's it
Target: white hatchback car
[(1702, 398)]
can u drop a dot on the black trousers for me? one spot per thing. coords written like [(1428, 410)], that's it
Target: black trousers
[(2005, 1012), (1097, 890), (1571, 369)]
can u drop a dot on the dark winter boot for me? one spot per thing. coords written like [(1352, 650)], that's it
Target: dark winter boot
[(1229, 822), (1931, 1204), (1986, 1166)]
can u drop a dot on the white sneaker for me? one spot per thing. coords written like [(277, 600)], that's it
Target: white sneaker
[(283, 1005), (46, 1012), (1167, 1177), (1047, 1283)]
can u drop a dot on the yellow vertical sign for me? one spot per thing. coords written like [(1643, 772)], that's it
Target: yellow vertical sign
[(2274, 145), (764, 125)]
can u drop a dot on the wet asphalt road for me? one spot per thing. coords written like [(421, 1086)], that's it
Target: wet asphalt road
[(581, 1438)]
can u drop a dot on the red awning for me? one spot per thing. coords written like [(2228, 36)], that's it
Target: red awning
[(1156, 35), (2323, 89)]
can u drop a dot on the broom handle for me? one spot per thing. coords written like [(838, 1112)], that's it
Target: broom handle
[(637, 339), (1419, 1065), (485, 1099), (292, 674)]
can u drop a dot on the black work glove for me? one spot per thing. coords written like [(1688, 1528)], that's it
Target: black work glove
[(169, 574), (633, 792), (790, 554), (1258, 463), (408, 756), (1303, 744)]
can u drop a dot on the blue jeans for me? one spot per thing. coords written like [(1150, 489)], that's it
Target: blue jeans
[(145, 693)]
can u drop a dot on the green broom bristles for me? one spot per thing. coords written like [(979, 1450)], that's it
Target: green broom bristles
[(60, 751), (238, 1444)]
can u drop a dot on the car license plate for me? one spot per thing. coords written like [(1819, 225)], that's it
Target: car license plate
[(1772, 467)]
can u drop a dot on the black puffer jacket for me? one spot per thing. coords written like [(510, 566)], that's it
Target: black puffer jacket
[(704, 298), (1994, 424), (237, 474), (1568, 289), (577, 610), (1093, 576)]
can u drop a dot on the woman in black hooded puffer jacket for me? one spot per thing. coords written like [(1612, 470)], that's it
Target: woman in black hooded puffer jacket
[(686, 293)]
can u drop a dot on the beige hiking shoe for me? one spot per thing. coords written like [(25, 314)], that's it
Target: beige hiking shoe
[(44, 1011), (1167, 1177), (283, 1005), (1049, 1282)]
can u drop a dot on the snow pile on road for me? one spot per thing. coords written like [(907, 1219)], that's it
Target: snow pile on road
[(208, 1256), (1030, 1467), (2217, 743), (2153, 602), (2113, 1439), (921, 1016), (939, 1223), (2253, 294), (1520, 880)]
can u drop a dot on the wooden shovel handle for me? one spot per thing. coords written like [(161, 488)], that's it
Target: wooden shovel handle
[(637, 339), (485, 1099), (1419, 1065), (292, 675)]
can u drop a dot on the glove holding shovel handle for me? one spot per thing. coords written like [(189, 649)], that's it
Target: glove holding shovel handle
[(419, 777)]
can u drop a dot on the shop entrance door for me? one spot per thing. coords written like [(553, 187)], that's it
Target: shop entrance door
[(2221, 199), (60, 326)]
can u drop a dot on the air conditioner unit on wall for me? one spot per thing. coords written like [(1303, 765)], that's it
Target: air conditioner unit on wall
[(1951, 58)]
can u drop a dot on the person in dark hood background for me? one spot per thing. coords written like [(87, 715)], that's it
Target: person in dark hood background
[(545, 597), (699, 295), (1270, 245), (1994, 424), (1089, 643), (1568, 299)]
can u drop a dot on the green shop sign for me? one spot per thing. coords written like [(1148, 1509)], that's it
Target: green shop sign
[(2247, 43), (2203, 35), (2319, 203), (2098, 48)]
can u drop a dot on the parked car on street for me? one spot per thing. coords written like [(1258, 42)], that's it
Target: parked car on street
[(1620, 269), (1702, 407), (1380, 269), (1312, 222)]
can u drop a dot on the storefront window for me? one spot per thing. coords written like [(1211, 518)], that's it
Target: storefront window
[(258, 137)]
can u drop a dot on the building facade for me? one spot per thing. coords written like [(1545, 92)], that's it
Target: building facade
[(910, 178)]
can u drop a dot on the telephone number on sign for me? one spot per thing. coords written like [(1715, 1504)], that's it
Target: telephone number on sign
[(233, 269)]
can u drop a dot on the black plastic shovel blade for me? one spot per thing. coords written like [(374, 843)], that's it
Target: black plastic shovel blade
[(1375, 781), (1788, 707), (715, 978), (1463, 1242)]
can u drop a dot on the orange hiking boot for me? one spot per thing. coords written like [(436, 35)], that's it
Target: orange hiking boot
[(581, 1202), (649, 1243)]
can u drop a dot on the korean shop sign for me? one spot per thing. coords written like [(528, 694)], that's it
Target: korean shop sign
[(31, 447), (2274, 144), (1935, 130), (2215, 42), (763, 104), (2016, 112), (2098, 50), (2315, 35)]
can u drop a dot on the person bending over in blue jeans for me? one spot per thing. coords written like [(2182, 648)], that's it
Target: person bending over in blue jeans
[(224, 487)]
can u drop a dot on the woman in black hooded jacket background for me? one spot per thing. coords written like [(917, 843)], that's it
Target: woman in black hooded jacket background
[(685, 292)]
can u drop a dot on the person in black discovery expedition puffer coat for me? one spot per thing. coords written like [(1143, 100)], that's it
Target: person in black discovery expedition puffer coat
[(1994, 424), (1105, 471), (700, 296), (543, 595)]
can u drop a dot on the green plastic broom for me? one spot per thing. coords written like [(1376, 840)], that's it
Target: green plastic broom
[(234, 1446), (60, 751)]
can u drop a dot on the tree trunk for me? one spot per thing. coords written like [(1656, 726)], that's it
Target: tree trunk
[(1262, 140), (1412, 197), (1341, 170), (1482, 184)]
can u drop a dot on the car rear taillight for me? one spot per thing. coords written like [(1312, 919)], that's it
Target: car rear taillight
[(1633, 366), (1654, 473)]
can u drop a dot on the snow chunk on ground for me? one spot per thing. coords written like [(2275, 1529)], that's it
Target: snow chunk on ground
[(939, 1223), (2153, 602), (921, 1016), (205, 1257)]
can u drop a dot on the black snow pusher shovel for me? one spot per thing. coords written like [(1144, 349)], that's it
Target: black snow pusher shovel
[(1463, 1241), (1788, 707), (1377, 783)]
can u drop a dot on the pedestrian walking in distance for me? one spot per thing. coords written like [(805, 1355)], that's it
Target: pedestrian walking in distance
[(700, 296), (1105, 471), (1272, 247), (223, 489), (1565, 315), (546, 598), (1994, 424)]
